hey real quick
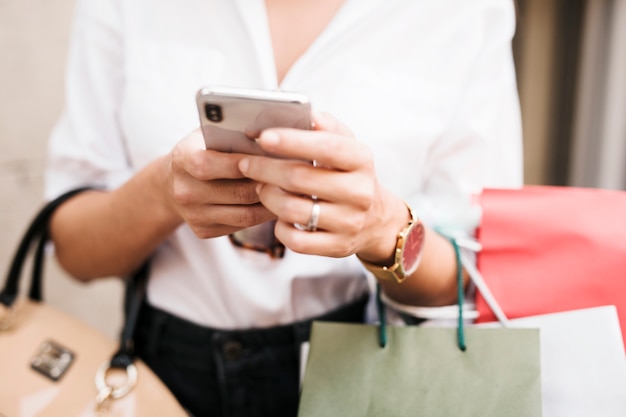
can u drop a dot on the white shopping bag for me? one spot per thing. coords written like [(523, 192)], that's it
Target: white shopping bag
[(583, 365)]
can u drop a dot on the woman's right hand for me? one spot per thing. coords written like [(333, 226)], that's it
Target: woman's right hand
[(110, 233), (208, 191)]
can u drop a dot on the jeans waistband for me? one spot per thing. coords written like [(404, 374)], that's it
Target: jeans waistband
[(159, 326)]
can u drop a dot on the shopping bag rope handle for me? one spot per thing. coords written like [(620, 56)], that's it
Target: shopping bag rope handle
[(382, 318), (460, 333)]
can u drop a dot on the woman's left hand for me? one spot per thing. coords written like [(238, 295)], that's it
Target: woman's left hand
[(357, 215)]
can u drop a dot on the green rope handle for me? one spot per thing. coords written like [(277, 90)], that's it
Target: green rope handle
[(382, 317), (460, 333)]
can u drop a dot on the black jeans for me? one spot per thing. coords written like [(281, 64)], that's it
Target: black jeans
[(229, 373)]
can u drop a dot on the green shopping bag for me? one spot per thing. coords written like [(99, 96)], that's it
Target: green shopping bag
[(367, 370)]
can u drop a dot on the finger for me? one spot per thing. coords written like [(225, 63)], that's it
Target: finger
[(319, 242), (237, 216), (329, 149), (292, 209), (302, 178), (219, 220), (190, 156), (327, 122), (188, 190)]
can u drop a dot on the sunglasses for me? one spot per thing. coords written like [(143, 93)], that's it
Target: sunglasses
[(259, 238)]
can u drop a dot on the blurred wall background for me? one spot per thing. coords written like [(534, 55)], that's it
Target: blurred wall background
[(33, 45), (571, 63)]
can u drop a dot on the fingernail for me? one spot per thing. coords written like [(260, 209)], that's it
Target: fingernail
[(316, 117), (316, 114), (244, 164), (269, 137)]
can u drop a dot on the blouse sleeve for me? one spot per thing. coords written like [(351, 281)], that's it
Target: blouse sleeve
[(86, 146), (482, 146)]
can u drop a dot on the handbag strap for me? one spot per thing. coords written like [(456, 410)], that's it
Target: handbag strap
[(135, 294), (38, 234)]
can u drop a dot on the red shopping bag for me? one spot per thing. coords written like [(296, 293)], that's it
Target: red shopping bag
[(547, 249)]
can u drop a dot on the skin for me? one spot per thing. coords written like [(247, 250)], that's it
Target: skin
[(100, 234)]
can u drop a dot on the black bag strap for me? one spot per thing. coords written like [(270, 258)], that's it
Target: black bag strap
[(38, 234), (134, 296)]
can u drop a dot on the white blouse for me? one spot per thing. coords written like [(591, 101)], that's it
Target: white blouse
[(429, 86)]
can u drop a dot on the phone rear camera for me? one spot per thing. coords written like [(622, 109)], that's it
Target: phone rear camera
[(213, 112)]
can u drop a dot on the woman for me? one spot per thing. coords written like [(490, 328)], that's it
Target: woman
[(418, 99)]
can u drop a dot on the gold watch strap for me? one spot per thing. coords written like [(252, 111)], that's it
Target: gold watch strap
[(388, 273), (383, 272)]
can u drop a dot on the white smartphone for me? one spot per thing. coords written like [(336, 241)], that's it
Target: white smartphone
[(231, 118)]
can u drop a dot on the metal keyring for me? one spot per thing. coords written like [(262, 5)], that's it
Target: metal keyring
[(119, 391)]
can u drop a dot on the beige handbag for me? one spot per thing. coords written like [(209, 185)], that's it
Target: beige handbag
[(54, 365)]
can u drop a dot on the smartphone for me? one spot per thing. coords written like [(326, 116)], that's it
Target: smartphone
[(232, 118)]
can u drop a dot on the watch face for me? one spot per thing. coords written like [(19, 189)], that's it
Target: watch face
[(412, 250)]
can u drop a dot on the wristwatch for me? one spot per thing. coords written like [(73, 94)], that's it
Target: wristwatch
[(408, 253)]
